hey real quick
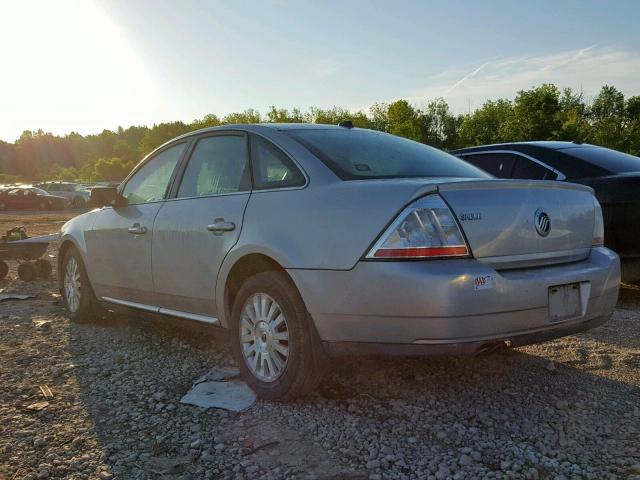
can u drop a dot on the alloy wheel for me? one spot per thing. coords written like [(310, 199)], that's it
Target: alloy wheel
[(264, 337), (72, 285)]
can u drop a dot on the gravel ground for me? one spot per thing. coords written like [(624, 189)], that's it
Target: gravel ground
[(564, 409)]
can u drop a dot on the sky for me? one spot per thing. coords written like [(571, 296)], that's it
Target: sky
[(87, 65)]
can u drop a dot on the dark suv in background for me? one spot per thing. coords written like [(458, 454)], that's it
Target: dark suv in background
[(615, 177)]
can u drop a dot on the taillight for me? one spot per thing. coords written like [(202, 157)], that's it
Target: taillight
[(598, 224), (425, 229)]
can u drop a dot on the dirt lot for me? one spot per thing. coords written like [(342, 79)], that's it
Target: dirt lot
[(564, 409)]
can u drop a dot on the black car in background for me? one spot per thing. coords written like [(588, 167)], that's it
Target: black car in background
[(615, 177)]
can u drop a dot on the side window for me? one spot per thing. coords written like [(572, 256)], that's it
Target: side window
[(218, 165), (271, 167), (528, 169), (149, 184), (499, 165)]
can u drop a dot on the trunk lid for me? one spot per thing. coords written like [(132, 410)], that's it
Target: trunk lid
[(523, 223)]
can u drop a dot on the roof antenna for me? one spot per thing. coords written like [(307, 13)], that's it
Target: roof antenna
[(346, 124)]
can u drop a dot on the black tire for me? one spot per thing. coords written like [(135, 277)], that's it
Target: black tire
[(88, 309), (27, 272), (43, 267), (78, 203), (4, 269), (305, 365)]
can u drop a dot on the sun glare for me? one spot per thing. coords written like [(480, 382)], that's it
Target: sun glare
[(68, 66)]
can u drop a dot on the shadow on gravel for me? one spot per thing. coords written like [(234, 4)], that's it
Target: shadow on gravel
[(369, 415), (623, 329)]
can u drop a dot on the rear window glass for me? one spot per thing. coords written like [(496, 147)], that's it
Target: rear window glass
[(355, 154), (610, 160)]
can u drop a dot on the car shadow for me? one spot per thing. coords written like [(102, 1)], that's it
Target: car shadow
[(132, 374)]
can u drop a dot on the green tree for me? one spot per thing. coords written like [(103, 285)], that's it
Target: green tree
[(534, 115), (486, 124), (608, 116), (282, 115), (248, 116)]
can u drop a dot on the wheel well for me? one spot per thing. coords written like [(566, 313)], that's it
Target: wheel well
[(244, 268)]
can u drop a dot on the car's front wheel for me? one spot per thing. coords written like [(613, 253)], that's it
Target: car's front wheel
[(273, 340), (76, 290)]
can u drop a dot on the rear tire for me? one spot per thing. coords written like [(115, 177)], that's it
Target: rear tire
[(27, 272), (261, 335), (43, 206), (76, 290), (3, 206), (77, 203)]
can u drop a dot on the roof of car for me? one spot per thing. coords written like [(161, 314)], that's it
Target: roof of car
[(549, 145), (258, 126)]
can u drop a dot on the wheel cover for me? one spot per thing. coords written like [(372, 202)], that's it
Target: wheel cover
[(264, 337), (72, 285)]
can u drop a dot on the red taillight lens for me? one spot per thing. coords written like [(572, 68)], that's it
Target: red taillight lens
[(421, 252), (425, 229)]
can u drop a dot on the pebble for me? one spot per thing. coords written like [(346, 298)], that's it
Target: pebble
[(116, 411)]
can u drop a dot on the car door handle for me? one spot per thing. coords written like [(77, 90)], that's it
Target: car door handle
[(137, 229), (219, 225)]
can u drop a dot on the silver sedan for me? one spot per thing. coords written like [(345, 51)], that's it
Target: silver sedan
[(310, 241)]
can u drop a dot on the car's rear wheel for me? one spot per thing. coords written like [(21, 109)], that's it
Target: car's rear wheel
[(76, 290), (77, 202), (272, 338), (3, 206), (43, 205)]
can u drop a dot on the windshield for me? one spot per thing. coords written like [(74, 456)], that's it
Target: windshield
[(355, 154), (610, 160)]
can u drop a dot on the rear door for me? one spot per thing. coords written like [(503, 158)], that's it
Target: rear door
[(119, 242), (194, 231)]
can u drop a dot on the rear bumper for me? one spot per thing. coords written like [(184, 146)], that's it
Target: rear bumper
[(336, 349), (436, 304)]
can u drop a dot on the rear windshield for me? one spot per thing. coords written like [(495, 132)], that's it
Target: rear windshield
[(355, 154), (611, 161)]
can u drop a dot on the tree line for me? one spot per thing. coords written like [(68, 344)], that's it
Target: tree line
[(540, 113)]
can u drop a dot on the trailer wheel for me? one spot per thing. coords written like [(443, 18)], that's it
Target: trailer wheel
[(27, 272), (43, 268), (4, 269)]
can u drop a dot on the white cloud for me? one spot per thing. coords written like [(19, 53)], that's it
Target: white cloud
[(587, 68), (324, 67)]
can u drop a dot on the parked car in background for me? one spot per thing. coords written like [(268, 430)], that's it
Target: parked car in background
[(30, 198), (77, 194), (614, 176), (307, 240)]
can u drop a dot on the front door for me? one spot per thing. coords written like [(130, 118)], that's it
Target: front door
[(119, 242), (193, 232)]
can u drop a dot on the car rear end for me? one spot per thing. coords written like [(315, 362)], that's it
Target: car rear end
[(469, 266)]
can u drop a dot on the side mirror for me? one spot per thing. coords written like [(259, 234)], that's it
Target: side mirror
[(106, 197)]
